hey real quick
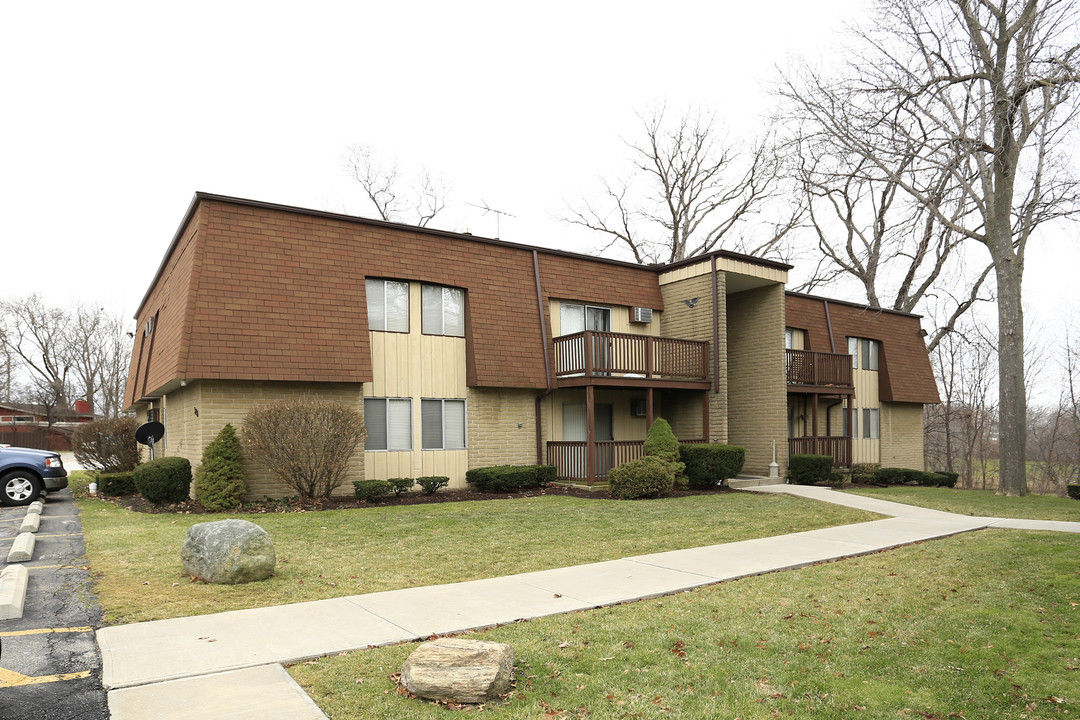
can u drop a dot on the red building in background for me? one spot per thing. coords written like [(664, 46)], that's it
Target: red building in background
[(36, 426)]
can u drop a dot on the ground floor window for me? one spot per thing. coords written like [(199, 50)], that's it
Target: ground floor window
[(442, 424), (389, 423), (871, 423)]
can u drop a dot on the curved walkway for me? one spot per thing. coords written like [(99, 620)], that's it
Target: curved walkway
[(228, 664)]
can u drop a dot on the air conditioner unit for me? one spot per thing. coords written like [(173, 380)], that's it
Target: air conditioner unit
[(641, 315)]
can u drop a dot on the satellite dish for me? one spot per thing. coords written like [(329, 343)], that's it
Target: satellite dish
[(149, 433)]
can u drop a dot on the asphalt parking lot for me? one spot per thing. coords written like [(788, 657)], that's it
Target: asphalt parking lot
[(50, 668)]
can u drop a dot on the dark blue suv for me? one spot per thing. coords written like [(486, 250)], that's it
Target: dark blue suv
[(25, 473)]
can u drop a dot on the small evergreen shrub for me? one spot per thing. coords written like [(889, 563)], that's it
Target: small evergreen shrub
[(107, 445), (926, 479), (370, 490), (863, 473), (509, 478), (428, 485), (837, 479), (219, 480), (400, 485), (809, 469), (661, 442), (947, 479), (646, 477), (116, 484), (708, 464), (1074, 491), (165, 480), (889, 476)]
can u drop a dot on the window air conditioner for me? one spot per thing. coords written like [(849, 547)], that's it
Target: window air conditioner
[(637, 408), (641, 315)]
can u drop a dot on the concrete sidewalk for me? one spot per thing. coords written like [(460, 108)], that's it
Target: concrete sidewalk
[(228, 660)]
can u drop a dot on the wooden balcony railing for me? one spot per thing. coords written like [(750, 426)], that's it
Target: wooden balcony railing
[(592, 353), (838, 447), (816, 368), (568, 457)]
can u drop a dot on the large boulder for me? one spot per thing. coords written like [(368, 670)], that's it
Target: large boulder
[(228, 551), (458, 670)]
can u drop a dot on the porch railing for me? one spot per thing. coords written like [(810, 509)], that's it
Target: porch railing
[(592, 352), (838, 447), (816, 368), (568, 457)]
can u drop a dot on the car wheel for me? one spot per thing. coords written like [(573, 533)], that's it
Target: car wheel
[(20, 488)]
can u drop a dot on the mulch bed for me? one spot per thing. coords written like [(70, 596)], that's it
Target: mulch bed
[(137, 503)]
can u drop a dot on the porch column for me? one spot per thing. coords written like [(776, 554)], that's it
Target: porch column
[(650, 414), (813, 415), (590, 436), (705, 415)]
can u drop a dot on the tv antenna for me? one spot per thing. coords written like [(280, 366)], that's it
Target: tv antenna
[(498, 215)]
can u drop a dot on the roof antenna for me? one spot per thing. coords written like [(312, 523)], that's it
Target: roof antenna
[(498, 215)]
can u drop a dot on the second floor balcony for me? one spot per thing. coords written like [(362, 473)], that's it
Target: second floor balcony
[(818, 370), (593, 356)]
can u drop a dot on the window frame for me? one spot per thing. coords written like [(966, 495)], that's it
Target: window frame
[(386, 429), (442, 423), (442, 315), (408, 304), (871, 424)]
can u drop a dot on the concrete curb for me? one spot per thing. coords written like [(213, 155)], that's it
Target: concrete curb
[(38, 506), (22, 550), (13, 581), (30, 523)]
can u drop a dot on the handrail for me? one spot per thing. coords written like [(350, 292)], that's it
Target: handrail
[(594, 352), (804, 367)]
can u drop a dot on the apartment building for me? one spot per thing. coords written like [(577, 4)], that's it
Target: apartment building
[(465, 352)]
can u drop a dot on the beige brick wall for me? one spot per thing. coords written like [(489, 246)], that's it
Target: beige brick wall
[(220, 402), (681, 321), (502, 426), (682, 408), (902, 435), (757, 390)]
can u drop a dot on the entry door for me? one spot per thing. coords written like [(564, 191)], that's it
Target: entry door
[(575, 318), (576, 429)]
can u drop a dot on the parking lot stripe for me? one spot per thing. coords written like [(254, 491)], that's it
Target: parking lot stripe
[(45, 631), (10, 678)]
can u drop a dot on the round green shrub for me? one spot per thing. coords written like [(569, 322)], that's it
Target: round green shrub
[(646, 477), (708, 464), (428, 485), (219, 480), (116, 484), (165, 480), (370, 490), (810, 469)]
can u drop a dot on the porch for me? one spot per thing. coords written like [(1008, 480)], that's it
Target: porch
[(571, 462), (839, 447), (813, 370)]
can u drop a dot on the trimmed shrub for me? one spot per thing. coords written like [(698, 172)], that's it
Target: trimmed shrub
[(509, 478), (863, 473), (1074, 491), (837, 479), (219, 480), (107, 445), (926, 479), (116, 484), (708, 464), (646, 477), (400, 485), (306, 442), (890, 476), (428, 485), (809, 469), (661, 442), (165, 480), (947, 479), (370, 490)]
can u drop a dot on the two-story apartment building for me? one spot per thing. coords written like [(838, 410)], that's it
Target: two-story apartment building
[(464, 351)]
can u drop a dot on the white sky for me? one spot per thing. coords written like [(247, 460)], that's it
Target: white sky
[(116, 113)]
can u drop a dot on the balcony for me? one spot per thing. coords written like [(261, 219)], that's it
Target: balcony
[(813, 371), (593, 357), (838, 447), (569, 458)]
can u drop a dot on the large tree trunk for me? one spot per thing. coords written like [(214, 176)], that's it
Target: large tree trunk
[(1012, 410)]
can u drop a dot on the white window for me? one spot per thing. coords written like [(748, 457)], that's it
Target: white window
[(868, 349), (853, 351), (871, 423), (789, 339), (388, 305), (389, 423), (443, 310), (442, 424), (574, 318), (854, 430)]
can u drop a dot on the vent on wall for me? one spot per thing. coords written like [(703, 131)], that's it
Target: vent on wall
[(641, 315), (637, 408)]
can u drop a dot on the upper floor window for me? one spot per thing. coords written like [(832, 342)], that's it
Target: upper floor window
[(388, 305), (789, 339), (574, 318), (443, 310), (864, 353)]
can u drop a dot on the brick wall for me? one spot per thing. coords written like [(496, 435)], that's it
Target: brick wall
[(902, 435), (221, 402), (757, 391), (494, 435), (695, 323)]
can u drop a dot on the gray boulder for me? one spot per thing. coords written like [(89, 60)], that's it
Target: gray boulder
[(458, 670), (228, 552)]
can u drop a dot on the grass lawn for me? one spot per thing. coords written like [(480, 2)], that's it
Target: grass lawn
[(981, 503), (980, 625), (135, 557)]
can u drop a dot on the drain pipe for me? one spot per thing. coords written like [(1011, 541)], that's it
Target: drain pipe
[(547, 358)]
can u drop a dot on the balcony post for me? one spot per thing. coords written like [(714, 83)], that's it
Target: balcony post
[(650, 413), (590, 436), (705, 415), (588, 338), (648, 356), (813, 414)]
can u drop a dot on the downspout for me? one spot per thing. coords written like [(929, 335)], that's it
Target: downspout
[(715, 327), (828, 416), (547, 358), (828, 321)]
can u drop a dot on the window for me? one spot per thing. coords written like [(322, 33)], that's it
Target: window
[(442, 424), (868, 349), (854, 430), (388, 305), (443, 310), (871, 423), (389, 423), (574, 318)]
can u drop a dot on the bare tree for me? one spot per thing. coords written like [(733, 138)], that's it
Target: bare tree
[(395, 199), (37, 336), (112, 374), (690, 192), (984, 91)]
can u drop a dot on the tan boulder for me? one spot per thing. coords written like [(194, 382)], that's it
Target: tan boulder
[(459, 670)]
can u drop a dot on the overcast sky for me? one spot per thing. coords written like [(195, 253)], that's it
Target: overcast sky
[(116, 113)]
